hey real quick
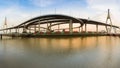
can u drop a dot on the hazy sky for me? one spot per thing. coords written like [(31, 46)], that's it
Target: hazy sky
[(18, 11)]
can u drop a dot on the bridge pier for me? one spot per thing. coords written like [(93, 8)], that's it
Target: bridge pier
[(70, 26), (79, 29), (39, 27), (34, 28), (6, 31), (47, 27), (50, 25), (16, 30), (58, 27), (106, 29), (97, 28), (10, 31), (115, 30), (82, 29), (29, 29), (85, 27), (0, 36)]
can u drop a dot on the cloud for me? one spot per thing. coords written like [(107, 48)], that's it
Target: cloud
[(43, 3), (16, 15)]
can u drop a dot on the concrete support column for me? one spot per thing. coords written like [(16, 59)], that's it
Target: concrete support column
[(58, 27), (71, 26), (3, 31), (97, 28), (10, 31), (50, 25), (34, 28), (82, 29), (79, 29), (47, 27), (39, 27), (29, 29), (24, 29), (85, 27), (115, 30), (16, 30), (106, 29), (6, 32), (0, 36), (110, 29)]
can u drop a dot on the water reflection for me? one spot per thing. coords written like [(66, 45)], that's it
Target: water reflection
[(78, 52)]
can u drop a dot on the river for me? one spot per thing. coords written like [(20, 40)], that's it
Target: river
[(74, 52)]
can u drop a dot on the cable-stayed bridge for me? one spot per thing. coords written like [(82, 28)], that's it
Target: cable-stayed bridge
[(61, 25)]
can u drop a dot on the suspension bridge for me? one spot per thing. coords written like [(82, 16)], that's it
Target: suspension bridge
[(57, 25)]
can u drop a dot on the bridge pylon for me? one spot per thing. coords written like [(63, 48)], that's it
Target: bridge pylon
[(5, 25), (109, 29)]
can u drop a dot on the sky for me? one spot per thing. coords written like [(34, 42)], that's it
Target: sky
[(18, 11)]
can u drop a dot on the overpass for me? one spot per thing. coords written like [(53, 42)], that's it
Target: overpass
[(64, 26)]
